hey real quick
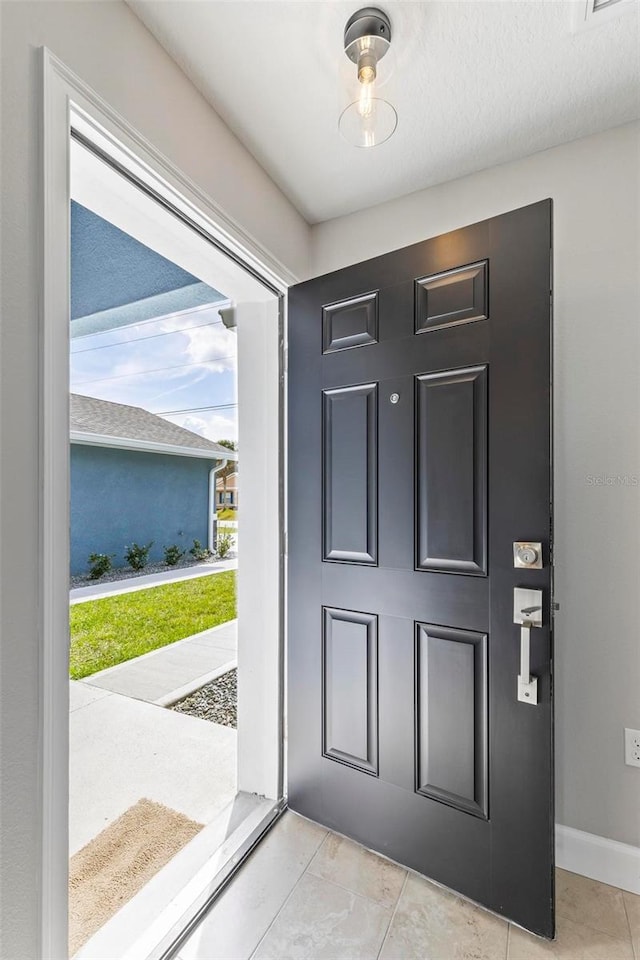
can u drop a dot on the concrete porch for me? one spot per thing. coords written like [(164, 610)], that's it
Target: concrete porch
[(124, 744)]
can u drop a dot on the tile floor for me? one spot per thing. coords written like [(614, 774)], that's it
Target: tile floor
[(307, 893)]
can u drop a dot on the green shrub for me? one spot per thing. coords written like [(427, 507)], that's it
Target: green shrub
[(198, 552), (223, 545), (99, 564), (137, 556), (173, 555), (227, 514)]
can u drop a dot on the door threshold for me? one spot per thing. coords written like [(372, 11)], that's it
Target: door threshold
[(157, 920)]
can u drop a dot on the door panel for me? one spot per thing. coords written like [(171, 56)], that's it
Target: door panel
[(419, 430), (350, 686), (350, 323), (451, 471), (350, 498), (451, 716), (457, 296)]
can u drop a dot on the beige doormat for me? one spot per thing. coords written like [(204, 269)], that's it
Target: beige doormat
[(117, 863)]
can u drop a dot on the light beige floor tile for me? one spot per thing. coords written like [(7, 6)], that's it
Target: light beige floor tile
[(574, 942), (350, 865), (322, 921), (591, 903), (242, 915), (632, 904), (432, 924)]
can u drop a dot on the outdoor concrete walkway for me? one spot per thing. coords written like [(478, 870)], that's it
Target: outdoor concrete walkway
[(96, 591), (170, 673), (122, 750)]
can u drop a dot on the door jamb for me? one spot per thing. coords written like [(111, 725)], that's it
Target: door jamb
[(63, 93)]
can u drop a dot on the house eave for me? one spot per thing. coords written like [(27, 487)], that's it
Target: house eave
[(148, 446)]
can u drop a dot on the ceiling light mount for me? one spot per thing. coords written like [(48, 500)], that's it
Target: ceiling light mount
[(367, 35), (368, 121)]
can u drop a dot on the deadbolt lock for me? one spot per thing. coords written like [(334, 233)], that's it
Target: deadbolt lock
[(527, 555)]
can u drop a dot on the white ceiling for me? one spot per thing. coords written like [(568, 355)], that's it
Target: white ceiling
[(475, 83)]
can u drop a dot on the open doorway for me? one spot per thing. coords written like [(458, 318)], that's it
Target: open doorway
[(166, 337)]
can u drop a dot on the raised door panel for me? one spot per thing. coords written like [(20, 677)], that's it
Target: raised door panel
[(350, 486), (451, 717), (350, 323), (350, 685), (456, 296), (451, 481)]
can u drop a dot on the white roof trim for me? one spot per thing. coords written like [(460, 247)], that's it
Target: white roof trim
[(148, 446)]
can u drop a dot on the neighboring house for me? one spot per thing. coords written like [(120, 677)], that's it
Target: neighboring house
[(227, 491), (136, 476)]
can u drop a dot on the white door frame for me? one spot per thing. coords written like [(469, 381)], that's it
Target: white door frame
[(65, 98)]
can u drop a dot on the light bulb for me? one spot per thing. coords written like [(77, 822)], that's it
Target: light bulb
[(368, 121), (366, 76), (365, 100)]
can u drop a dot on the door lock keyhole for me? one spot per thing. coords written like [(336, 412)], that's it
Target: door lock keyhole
[(526, 554)]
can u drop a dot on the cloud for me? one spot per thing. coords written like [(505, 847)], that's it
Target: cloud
[(214, 341), (129, 367), (211, 424), (168, 346)]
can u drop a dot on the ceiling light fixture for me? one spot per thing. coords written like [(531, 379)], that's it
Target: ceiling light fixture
[(369, 120)]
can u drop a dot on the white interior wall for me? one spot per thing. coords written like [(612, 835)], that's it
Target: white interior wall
[(595, 186), (107, 46)]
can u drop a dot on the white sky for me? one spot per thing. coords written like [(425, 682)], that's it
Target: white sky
[(183, 362)]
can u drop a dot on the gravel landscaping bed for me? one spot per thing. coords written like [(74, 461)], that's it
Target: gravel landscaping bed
[(126, 573), (217, 701)]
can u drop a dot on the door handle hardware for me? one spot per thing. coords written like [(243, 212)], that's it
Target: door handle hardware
[(527, 612), (394, 397), (527, 555)]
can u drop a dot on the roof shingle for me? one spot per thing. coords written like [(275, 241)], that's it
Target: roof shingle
[(106, 419)]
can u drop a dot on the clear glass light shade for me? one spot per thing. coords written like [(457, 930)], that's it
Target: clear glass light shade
[(368, 121)]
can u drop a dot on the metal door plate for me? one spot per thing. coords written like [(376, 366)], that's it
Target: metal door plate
[(527, 555), (528, 690)]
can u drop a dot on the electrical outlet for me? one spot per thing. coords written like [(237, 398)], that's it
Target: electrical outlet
[(632, 747)]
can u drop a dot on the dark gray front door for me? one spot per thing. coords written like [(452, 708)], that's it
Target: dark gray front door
[(419, 452)]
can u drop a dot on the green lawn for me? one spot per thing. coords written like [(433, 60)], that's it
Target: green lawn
[(115, 629)]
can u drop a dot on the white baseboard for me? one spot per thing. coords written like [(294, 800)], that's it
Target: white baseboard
[(598, 858)]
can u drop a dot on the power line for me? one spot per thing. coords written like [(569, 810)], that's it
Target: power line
[(219, 406), (141, 323), (153, 336), (143, 373)]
